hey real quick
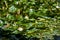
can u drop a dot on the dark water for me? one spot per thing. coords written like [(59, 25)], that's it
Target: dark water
[(56, 37), (4, 36)]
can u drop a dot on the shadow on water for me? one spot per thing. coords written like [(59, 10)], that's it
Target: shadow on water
[(56, 37), (4, 36)]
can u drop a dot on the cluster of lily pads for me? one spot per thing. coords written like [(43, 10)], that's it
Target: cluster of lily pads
[(33, 18)]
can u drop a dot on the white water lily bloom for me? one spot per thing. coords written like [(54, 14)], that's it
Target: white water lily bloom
[(10, 0), (7, 15), (16, 2), (31, 10), (1, 21), (36, 22), (26, 17), (14, 24), (20, 29), (57, 7)]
